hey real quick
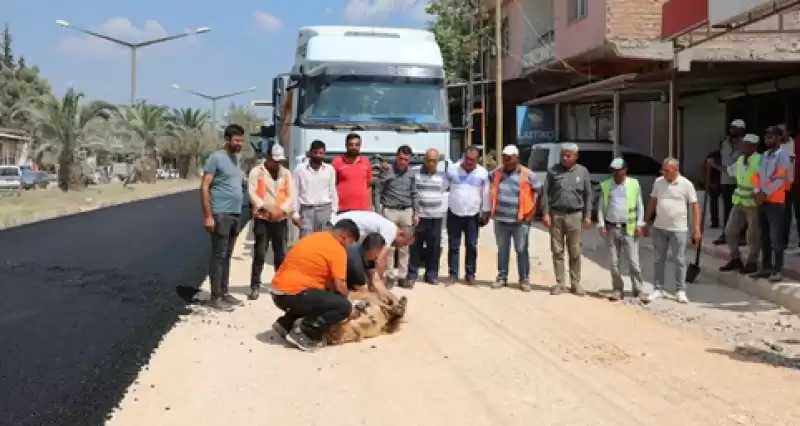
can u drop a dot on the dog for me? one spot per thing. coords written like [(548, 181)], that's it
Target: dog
[(371, 318)]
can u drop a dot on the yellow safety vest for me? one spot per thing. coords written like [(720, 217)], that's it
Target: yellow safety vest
[(632, 194), (743, 194)]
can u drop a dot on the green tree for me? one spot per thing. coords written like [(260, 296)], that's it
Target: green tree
[(20, 86), (250, 120), (459, 27), (190, 139), (146, 123), (8, 53), (64, 126)]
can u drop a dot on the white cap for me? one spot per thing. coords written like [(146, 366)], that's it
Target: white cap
[(751, 138), (276, 153), (739, 123), (511, 150)]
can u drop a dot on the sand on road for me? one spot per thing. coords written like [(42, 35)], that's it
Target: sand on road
[(467, 356)]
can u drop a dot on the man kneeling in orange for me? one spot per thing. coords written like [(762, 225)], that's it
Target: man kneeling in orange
[(311, 285)]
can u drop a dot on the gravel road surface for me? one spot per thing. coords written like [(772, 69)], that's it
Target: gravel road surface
[(476, 356), (86, 299)]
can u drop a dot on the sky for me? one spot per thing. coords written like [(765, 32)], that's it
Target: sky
[(250, 42)]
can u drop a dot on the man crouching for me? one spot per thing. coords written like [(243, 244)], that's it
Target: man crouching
[(376, 310), (311, 286)]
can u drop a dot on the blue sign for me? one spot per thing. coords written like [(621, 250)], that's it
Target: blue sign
[(536, 124)]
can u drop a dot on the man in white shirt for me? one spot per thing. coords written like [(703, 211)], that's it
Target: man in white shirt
[(671, 196), (315, 183), (468, 210)]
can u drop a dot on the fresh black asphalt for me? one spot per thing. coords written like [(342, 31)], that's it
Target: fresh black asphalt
[(85, 299)]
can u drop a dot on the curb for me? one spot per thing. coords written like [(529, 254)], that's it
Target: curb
[(60, 213), (782, 294)]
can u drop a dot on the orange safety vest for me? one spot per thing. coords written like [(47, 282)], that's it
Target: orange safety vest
[(527, 198), (281, 195)]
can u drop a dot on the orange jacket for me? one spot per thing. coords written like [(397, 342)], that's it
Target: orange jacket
[(527, 196), (264, 193)]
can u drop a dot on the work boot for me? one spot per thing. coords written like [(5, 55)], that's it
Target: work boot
[(615, 296), (525, 286), (750, 268), (470, 279), (577, 290), (499, 283), (231, 300), (732, 265), (254, 293), (557, 289), (763, 273), (407, 284), (220, 305)]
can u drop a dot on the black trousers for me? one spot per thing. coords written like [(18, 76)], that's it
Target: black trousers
[(727, 202), (427, 249), (223, 239), (319, 310), (267, 234), (792, 210), (713, 205)]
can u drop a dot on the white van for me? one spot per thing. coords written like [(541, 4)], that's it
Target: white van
[(597, 157)]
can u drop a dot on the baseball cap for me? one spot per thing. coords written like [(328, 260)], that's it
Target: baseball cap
[(738, 123), (276, 153), (751, 138), (511, 150), (618, 164)]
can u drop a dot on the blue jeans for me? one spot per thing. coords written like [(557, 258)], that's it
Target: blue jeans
[(675, 241), (771, 217), (504, 232), (456, 226)]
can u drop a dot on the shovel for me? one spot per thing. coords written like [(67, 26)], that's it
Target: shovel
[(693, 271)]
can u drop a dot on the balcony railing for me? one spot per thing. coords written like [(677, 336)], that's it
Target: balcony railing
[(541, 50)]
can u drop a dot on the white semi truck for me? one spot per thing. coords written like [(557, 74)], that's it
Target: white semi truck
[(385, 84)]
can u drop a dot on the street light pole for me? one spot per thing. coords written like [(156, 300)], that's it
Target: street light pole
[(214, 100), (133, 46)]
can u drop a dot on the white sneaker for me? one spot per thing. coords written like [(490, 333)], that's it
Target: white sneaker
[(655, 295), (681, 296)]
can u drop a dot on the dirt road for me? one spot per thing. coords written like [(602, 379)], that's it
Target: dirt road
[(472, 356)]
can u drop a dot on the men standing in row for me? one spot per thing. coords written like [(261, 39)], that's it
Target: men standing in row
[(272, 196), (672, 195), (566, 210), (468, 211), (395, 186), (620, 219), (317, 199), (744, 213), (729, 153), (513, 204), (221, 198), (771, 192), (430, 204), (353, 176)]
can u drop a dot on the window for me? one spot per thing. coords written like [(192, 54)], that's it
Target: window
[(578, 9), (9, 171), (538, 160), (641, 165), (596, 161), (374, 100)]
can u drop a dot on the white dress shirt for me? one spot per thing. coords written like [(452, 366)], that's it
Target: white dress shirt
[(469, 192), (314, 187)]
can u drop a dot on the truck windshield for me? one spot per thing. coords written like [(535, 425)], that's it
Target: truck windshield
[(374, 100)]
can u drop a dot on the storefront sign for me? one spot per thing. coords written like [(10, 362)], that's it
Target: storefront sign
[(721, 12), (536, 124), (678, 17)]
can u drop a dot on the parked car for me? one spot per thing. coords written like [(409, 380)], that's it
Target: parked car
[(596, 157), (99, 176), (11, 178), (32, 179)]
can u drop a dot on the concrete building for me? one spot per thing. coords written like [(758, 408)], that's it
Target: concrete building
[(14, 147)]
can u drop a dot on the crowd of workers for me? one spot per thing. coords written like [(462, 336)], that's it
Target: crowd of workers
[(345, 245)]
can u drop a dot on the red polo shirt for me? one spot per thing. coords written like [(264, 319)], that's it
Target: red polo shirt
[(353, 183)]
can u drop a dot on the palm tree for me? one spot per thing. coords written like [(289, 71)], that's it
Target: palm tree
[(148, 123), (190, 138), (63, 126)]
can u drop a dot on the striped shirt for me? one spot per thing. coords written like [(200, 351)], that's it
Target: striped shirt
[(469, 192), (507, 208), (430, 190)]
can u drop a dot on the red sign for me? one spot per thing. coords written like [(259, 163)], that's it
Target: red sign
[(678, 17)]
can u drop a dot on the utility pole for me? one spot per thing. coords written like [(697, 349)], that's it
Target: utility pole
[(498, 78), (470, 109)]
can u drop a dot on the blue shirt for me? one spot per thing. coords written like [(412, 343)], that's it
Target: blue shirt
[(768, 168), (226, 182)]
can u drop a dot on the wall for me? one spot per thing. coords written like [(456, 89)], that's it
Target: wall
[(703, 122), (634, 19), (580, 36), (537, 21), (512, 61)]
